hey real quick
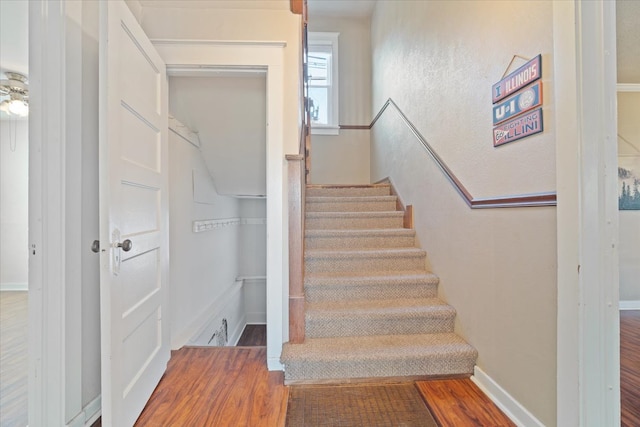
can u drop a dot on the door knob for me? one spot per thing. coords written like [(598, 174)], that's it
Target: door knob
[(126, 245), (95, 246)]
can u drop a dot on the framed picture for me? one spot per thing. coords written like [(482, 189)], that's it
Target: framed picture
[(629, 182)]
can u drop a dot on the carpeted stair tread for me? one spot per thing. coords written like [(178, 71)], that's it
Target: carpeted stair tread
[(349, 203), (347, 190), (364, 253), (370, 278), (375, 347), (319, 260), (353, 220), (378, 356), (378, 317), (382, 232), (374, 308), (372, 285), (363, 238)]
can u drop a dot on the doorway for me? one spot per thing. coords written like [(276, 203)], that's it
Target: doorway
[(217, 203), (14, 214), (14, 174)]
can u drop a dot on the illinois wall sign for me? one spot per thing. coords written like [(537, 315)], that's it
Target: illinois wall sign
[(518, 128), (514, 98)]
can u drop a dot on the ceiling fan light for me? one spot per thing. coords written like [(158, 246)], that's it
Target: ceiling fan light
[(18, 107)]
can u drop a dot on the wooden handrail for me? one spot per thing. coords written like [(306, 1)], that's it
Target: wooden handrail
[(511, 201), (297, 6)]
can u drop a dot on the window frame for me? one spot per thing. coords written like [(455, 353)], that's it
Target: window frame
[(324, 39)]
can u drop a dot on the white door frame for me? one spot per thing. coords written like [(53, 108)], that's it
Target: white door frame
[(200, 55), (588, 366), (47, 376)]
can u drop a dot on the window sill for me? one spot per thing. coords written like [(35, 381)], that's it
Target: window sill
[(325, 130)]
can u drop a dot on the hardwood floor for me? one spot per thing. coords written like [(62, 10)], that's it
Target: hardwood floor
[(459, 402), (630, 367), (218, 386), (13, 358), (253, 336), (230, 386)]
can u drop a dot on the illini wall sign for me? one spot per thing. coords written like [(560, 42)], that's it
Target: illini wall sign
[(528, 73), (523, 96)]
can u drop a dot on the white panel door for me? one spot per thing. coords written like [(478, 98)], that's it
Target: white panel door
[(133, 216)]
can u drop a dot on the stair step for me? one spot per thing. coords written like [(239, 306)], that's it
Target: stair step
[(360, 239), (346, 358), (367, 285), (348, 190), (353, 220), (317, 260), (351, 204), (378, 317)]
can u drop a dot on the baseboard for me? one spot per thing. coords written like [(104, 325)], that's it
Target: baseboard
[(93, 411), (629, 305), (89, 414), (273, 364), (503, 400), (237, 332), (14, 286), (200, 323)]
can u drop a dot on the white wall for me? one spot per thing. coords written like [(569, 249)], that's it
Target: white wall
[(497, 267), (204, 265), (229, 113), (238, 24), (629, 250), (253, 259), (14, 204), (83, 144), (253, 236), (344, 158)]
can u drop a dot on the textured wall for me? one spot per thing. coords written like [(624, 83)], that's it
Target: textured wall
[(344, 158), (438, 60)]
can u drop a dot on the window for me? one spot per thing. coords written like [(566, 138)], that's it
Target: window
[(322, 71)]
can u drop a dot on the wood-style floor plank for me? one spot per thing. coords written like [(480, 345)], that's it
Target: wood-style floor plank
[(630, 367), (13, 358), (459, 402), (218, 386), (253, 336)]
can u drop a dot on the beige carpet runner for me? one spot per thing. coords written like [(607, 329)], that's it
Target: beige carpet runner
[(371, 307)]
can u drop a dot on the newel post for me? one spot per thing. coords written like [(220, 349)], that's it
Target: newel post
[(296, 184)]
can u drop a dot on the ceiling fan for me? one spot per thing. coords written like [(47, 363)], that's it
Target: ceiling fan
[(16, 88)]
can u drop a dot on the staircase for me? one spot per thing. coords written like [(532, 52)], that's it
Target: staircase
[(371, 307)]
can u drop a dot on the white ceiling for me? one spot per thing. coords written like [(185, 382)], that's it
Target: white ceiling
[(217, 4), (340, 8)]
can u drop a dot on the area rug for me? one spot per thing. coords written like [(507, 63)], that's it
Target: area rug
[(380, 405)]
